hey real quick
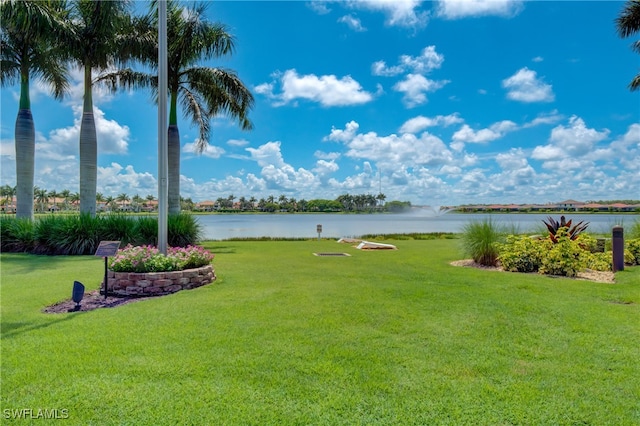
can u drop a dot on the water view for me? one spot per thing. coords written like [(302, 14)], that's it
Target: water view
[(225, 226)]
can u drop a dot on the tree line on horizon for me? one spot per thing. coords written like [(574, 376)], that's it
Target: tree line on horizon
[(69, 201), (43, 39)]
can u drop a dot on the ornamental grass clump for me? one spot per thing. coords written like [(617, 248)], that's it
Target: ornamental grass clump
[(149, 259), (481, 240)]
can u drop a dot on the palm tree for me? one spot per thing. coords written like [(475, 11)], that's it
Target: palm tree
[(136, 201), (627, 24), (54, 195), (41, 197), (8, 192), (75, 200), (109, 202), (99, 197), (122, 198), (28, 48), (94, 41), (65, 194), (202, 92)]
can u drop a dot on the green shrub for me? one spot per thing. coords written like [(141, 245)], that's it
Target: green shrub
[(16, 235), (598, 261), (81, 234), (522, 253), (118, 227), (564, 257), (633, 247), (480, 240), (629, 258), (183, 230), (146, 231), (73, 235)]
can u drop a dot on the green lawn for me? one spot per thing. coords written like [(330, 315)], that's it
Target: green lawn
[(284, 337)]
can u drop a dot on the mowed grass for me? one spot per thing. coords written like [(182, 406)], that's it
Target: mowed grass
[(286, 338)]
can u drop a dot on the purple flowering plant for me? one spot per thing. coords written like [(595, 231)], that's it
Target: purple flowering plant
[(149, 259)]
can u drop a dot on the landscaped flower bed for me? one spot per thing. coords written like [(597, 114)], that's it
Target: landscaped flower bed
[(144, 271), (158, 283)]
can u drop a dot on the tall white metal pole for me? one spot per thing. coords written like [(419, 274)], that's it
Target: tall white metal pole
[(163, 155)]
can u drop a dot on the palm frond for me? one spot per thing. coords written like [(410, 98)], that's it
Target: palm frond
[(628, 23), (195, 110), (635, 83), (125, 79), (223, 92)]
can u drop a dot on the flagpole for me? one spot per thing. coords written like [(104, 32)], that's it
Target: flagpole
[(163, 155)]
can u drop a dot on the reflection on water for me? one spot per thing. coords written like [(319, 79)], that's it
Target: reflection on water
[(225, 226)]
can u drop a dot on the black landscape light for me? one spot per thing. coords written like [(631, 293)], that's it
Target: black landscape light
[(77, 295)]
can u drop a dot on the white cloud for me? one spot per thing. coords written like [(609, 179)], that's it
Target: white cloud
[(115, 179), (400, 13), (419, 123), (514, 159), (547, 152), (414, 87), (568, 143), (276, 173), (332, 156), (327, 90), (495, 131), (264, 89), (339, 135), (324, 168), (393, 152), (544, 118), (428, 60), (267, 155), (576, 139), (319, 6), (538, 59), (237, 142), (352, 22), (525, 86), (210, 151), (456, 9)]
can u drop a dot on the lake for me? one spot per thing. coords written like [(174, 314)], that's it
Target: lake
[(225, 226)]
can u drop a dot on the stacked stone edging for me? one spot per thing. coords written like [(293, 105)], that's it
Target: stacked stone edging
[(158, 283)]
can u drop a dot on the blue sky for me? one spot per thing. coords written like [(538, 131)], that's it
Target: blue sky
[(437, 103)]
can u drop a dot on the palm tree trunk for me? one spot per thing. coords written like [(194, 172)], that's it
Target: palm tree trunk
[(88, 150), (25, 138), (173, 152)]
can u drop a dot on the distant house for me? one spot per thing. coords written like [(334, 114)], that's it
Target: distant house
[(622, 207), (595, 207), (570, 205), (205, 206)]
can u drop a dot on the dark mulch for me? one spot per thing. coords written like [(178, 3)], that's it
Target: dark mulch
[(92, 300)]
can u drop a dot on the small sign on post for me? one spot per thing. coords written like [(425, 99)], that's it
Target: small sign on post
[(319, 230), (106, 249)]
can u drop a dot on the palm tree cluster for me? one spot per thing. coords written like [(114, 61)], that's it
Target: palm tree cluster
[(65, 200), (345, 202), (628, 24), (44, 38)]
